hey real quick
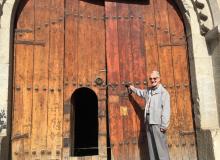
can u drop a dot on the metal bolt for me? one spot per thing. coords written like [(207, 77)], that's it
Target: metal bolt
[(61, 19), (52, 90), (58, 152), (166, 31), (18, 88), (42, 152), (34, 152), (184, 144)]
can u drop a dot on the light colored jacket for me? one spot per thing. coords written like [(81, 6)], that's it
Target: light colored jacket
[(158, 104)]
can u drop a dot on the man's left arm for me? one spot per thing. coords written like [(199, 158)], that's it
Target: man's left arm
[(165, 117)]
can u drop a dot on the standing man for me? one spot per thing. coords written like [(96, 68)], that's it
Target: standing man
[(156, 115)]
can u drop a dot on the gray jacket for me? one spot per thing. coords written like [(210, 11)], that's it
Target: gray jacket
[(158, 105)]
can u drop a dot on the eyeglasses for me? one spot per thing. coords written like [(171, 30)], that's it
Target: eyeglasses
[(153, 78)]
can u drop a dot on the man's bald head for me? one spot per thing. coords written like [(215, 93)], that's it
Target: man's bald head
[(155, 74), (154, 78)]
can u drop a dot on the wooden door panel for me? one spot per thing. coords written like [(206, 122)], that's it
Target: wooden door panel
[(23, 66), (55, 93), (124, 49), (70, 71), (112, 54), (131, 56), (166, 70), (40, 81), (153, 34), (85, 61), (150, 37), (98, 66)]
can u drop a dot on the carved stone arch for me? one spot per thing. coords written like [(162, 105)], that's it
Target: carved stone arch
[(198, 19)]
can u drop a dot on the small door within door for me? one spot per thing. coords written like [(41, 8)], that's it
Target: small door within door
[(84, 124)]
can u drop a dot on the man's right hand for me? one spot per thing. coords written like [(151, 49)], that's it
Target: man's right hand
[(131, 87)]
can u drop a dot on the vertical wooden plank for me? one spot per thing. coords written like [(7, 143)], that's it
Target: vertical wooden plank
[(98, 70), (139, 70), (55, 96), (84, 44), (124, 46), (113, 78), (166, 70), (150, 38), (70, 72), (40, 84), (23, 75), (84, 53), (178, 53)]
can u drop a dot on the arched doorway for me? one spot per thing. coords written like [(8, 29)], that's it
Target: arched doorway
[(100, 45), (84, 126)]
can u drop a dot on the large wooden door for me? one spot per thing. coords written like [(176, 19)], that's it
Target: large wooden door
[(63, 45), (59, 46), (143, 36)]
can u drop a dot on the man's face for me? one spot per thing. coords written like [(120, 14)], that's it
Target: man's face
[(154, 80)]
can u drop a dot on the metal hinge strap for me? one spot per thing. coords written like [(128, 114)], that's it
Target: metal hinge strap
[(171, 44), (41, 43), (23, 30), (184, 133), (20, 136)]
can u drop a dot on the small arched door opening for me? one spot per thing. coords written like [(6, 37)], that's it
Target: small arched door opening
[(84, 123)]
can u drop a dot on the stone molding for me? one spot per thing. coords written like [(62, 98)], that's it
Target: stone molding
[(213, 34)]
